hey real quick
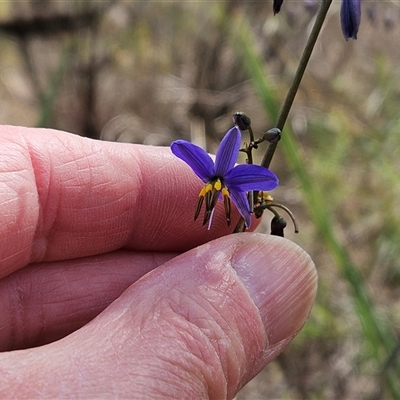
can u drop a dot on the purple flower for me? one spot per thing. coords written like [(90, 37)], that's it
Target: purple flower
[(350, 15), (277, 6), (223, 177)]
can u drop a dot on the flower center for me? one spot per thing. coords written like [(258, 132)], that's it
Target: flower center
[(210, 193)]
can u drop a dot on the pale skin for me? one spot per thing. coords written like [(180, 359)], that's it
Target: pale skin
[(81, 222)]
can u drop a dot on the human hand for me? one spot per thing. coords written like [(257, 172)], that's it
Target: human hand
[(81, 221)]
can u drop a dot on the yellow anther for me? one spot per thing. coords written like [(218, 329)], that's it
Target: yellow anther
[(267, 197), (217, 185), (208, 188), (225, 192), (202, 192)]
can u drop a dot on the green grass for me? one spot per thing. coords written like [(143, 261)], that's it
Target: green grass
[(48, 99)]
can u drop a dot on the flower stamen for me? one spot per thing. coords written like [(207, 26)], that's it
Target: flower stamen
[(227, 205), (212, 192), (200, 202)]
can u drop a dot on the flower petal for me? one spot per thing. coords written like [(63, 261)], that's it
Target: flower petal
[(239, 199), (350, 15), (228, 152), (197, 159), (245, 177), (277, 6)]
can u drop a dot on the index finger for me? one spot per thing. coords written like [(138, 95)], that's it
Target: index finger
[(63, 196)]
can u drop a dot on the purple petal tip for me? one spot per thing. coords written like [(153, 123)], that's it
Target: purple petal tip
[(350, 16)]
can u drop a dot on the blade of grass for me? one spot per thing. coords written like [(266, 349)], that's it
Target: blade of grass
[(47, 100), (378, 336)]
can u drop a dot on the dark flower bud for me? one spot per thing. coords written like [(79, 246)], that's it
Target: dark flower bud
[(273, 135), (278, 224), (277, 6), (241, 120), (350, 16), (258, 212)]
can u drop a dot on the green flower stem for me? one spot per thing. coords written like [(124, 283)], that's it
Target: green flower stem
[(284, 112)]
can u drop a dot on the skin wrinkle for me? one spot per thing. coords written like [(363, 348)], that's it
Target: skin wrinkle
[(159, 221), (12, 172), (12, 152), (187, 378), (167, 376), (119, 325), (175, 375), (282, 296), (223, 334), (59, 167), (289, 305), (163, 322), (18, 327), (11, 323), (164, 376), (43, 182), (41, 161), (95, 186), (8, 201), (139, 206), (35, 315), (194, 328), (215, 344), (186, 352), (187, 337), (215, 308), (302, 286), (86, 177), (62, 312), (55, 220), (8, 259)]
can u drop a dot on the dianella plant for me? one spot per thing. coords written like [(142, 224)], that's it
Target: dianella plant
[(247, 187)]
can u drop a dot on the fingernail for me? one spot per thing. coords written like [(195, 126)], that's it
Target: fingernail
[(282, 281)]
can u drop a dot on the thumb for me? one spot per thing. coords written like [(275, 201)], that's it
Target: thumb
[(200, 326)]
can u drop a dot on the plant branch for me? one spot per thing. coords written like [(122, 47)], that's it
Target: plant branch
[(284, 112)]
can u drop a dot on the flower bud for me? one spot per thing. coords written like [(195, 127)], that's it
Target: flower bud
[(241, 120), (278, 224), (277, 6), (273, 135)]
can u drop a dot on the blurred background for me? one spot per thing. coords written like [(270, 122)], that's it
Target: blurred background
[(151, 72)]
